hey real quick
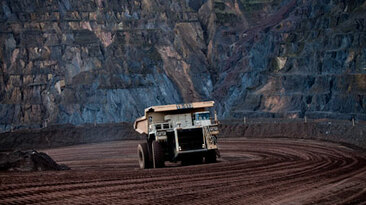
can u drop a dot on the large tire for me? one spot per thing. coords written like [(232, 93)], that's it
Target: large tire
[(157, 154), (143, 154), (192, 159), (210, 156)]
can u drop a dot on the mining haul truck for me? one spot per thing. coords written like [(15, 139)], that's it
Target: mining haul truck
[(178, 132)]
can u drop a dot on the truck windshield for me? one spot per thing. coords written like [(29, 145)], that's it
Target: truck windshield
[(203, 116)]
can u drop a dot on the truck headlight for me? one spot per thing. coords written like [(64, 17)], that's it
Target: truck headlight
[(161, 133), (214, 129)]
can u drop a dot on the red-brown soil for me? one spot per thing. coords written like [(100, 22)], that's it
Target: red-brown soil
[(251, 171)]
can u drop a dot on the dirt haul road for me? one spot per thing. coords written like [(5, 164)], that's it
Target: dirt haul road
[(251, 171)]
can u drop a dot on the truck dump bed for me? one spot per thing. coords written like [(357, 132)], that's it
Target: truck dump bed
[(141, 124)]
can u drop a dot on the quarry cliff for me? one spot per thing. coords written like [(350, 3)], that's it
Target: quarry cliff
[(103, 61)]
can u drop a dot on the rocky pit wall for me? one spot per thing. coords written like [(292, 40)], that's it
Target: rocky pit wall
[(104, 61)]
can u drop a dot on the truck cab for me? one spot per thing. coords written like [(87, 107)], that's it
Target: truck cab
[(201, 118)]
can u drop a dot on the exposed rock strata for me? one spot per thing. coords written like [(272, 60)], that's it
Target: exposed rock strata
[(65, 61)]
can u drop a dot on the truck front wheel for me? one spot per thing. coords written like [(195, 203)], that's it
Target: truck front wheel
[(158, 154), (210, 156), (143, 154)]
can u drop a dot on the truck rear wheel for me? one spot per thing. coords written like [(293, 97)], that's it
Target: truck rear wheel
[(158, 154), (143, 153), (210, 156)]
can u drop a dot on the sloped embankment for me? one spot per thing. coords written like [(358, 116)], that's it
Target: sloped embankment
[(65, 135), (29, 160)]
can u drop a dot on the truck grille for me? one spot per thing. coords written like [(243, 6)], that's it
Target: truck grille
[(190, 139)]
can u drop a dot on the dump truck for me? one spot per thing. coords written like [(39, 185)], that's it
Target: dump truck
[(177, 132)]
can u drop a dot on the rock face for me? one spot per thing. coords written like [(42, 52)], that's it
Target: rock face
[(295, 58), (101, 61)]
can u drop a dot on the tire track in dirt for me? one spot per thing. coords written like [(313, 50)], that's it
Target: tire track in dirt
[(251, 171)]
